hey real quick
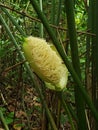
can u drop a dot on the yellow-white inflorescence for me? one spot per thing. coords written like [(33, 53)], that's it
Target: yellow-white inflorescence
[(45, 62)]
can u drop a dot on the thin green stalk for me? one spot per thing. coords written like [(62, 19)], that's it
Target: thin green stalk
[(24, 108), (72, 112), (94, 26), (96, 15), (13, 21), (93, 30), (60, 95), (41, 25), (3, 120), (58, 12), (88, 57), (30, 73), (96, 56), (53, 5), (58, 113), (65, 59), (80, 106), (72, 36)]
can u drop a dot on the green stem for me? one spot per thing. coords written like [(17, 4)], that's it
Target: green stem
[(96, 57), (72, 112), (65, 59), (58, 113), (53, 5), (80, 106), (13, 21), (24, 108), (41, 25), (67, 110), (58, 13), (3, 120)]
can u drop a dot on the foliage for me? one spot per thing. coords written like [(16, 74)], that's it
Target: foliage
[(8, 116)]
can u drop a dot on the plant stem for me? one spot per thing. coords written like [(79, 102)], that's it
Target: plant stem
[(53, 5), (58, 12), (80, 106), (41, 25), (3, 120), (60, 95), (13, 21)]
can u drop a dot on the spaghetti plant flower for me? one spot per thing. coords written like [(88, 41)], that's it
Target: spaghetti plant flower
[(45, 62)]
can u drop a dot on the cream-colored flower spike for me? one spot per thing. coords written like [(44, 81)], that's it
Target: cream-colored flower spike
[(46, 63)]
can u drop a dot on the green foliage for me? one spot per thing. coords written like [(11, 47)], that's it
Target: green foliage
[(8, 116), (63, 119)]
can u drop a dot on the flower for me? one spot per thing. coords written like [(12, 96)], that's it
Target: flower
[(45, 62)]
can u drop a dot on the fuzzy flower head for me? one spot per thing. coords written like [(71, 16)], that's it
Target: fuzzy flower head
[(45, 62)]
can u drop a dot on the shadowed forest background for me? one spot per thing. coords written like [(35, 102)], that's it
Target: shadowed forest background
[(25, 102)]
